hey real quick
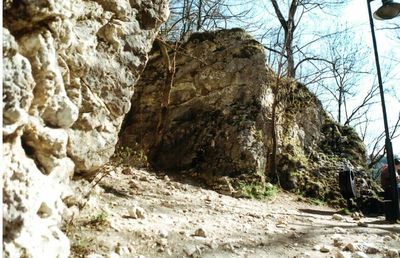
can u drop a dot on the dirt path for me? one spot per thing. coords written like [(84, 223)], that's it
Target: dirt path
[(135, 213)]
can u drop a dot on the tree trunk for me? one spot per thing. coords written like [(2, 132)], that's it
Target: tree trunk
[(198, 26), (340, 104), (289, 53), (289, 28), (274, 177)]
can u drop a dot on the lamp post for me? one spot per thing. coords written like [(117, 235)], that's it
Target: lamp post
[(388, 10)]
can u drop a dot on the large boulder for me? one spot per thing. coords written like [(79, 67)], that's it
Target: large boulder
[(68, 77), (215, 120), (220, 116)]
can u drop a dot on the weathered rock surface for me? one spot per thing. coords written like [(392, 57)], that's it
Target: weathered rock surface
[(219, 119), (69, 71), (214, 120)]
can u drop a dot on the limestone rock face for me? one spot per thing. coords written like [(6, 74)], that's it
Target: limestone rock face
[(68, 77), (215, 120), (219, 118)]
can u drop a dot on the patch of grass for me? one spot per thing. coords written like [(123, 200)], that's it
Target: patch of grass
[(303, 196), (135, 156), (81, 247), (318, 202), (270, 190), (98, 221), (258, 191), (345, 211), (258, 134)]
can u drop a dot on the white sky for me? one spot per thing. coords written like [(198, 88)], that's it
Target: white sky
[(355, 16), (357, 13)]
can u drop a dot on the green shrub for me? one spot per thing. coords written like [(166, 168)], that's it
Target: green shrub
[(257, 191), (135, 157), (98, 221)]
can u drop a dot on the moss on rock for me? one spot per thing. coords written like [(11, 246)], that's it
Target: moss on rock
[(220, 121)]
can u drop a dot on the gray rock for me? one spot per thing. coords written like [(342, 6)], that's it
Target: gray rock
[(163, 233), (316, 247), (137, 213), (362, 224), (352, 247), (356, 215), (122, 250), (163, 242), (325, 249), (200, 232), (339, 230), (192, 250), (392, 253), (387, 238), (212, 244), (371, 249), (337, 217)]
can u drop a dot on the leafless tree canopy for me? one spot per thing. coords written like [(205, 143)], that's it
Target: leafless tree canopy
[(189, 16)]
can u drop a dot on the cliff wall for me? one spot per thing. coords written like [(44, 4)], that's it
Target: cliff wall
[(68, 77)]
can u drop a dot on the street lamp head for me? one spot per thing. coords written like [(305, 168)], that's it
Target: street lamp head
[(388, 10)]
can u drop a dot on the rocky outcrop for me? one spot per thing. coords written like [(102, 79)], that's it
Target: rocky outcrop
[(68, 77), (215, 116), (220, 119)]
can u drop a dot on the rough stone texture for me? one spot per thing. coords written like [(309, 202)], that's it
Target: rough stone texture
[(219, 119), (32, 206), (214, 118), (68, 76)]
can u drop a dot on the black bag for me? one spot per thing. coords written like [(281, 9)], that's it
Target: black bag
[(347, 184)]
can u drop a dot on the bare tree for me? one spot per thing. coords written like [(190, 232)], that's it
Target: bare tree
[(289, 26), (347, 64), (394, 27), (189, 16), (295, 11), (378, 150)]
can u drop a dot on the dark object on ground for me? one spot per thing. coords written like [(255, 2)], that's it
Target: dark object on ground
[(368, 201), (370, 205), (389, 204), (347, 184)]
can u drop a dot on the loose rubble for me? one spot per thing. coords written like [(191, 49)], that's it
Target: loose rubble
[(189, 221)]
